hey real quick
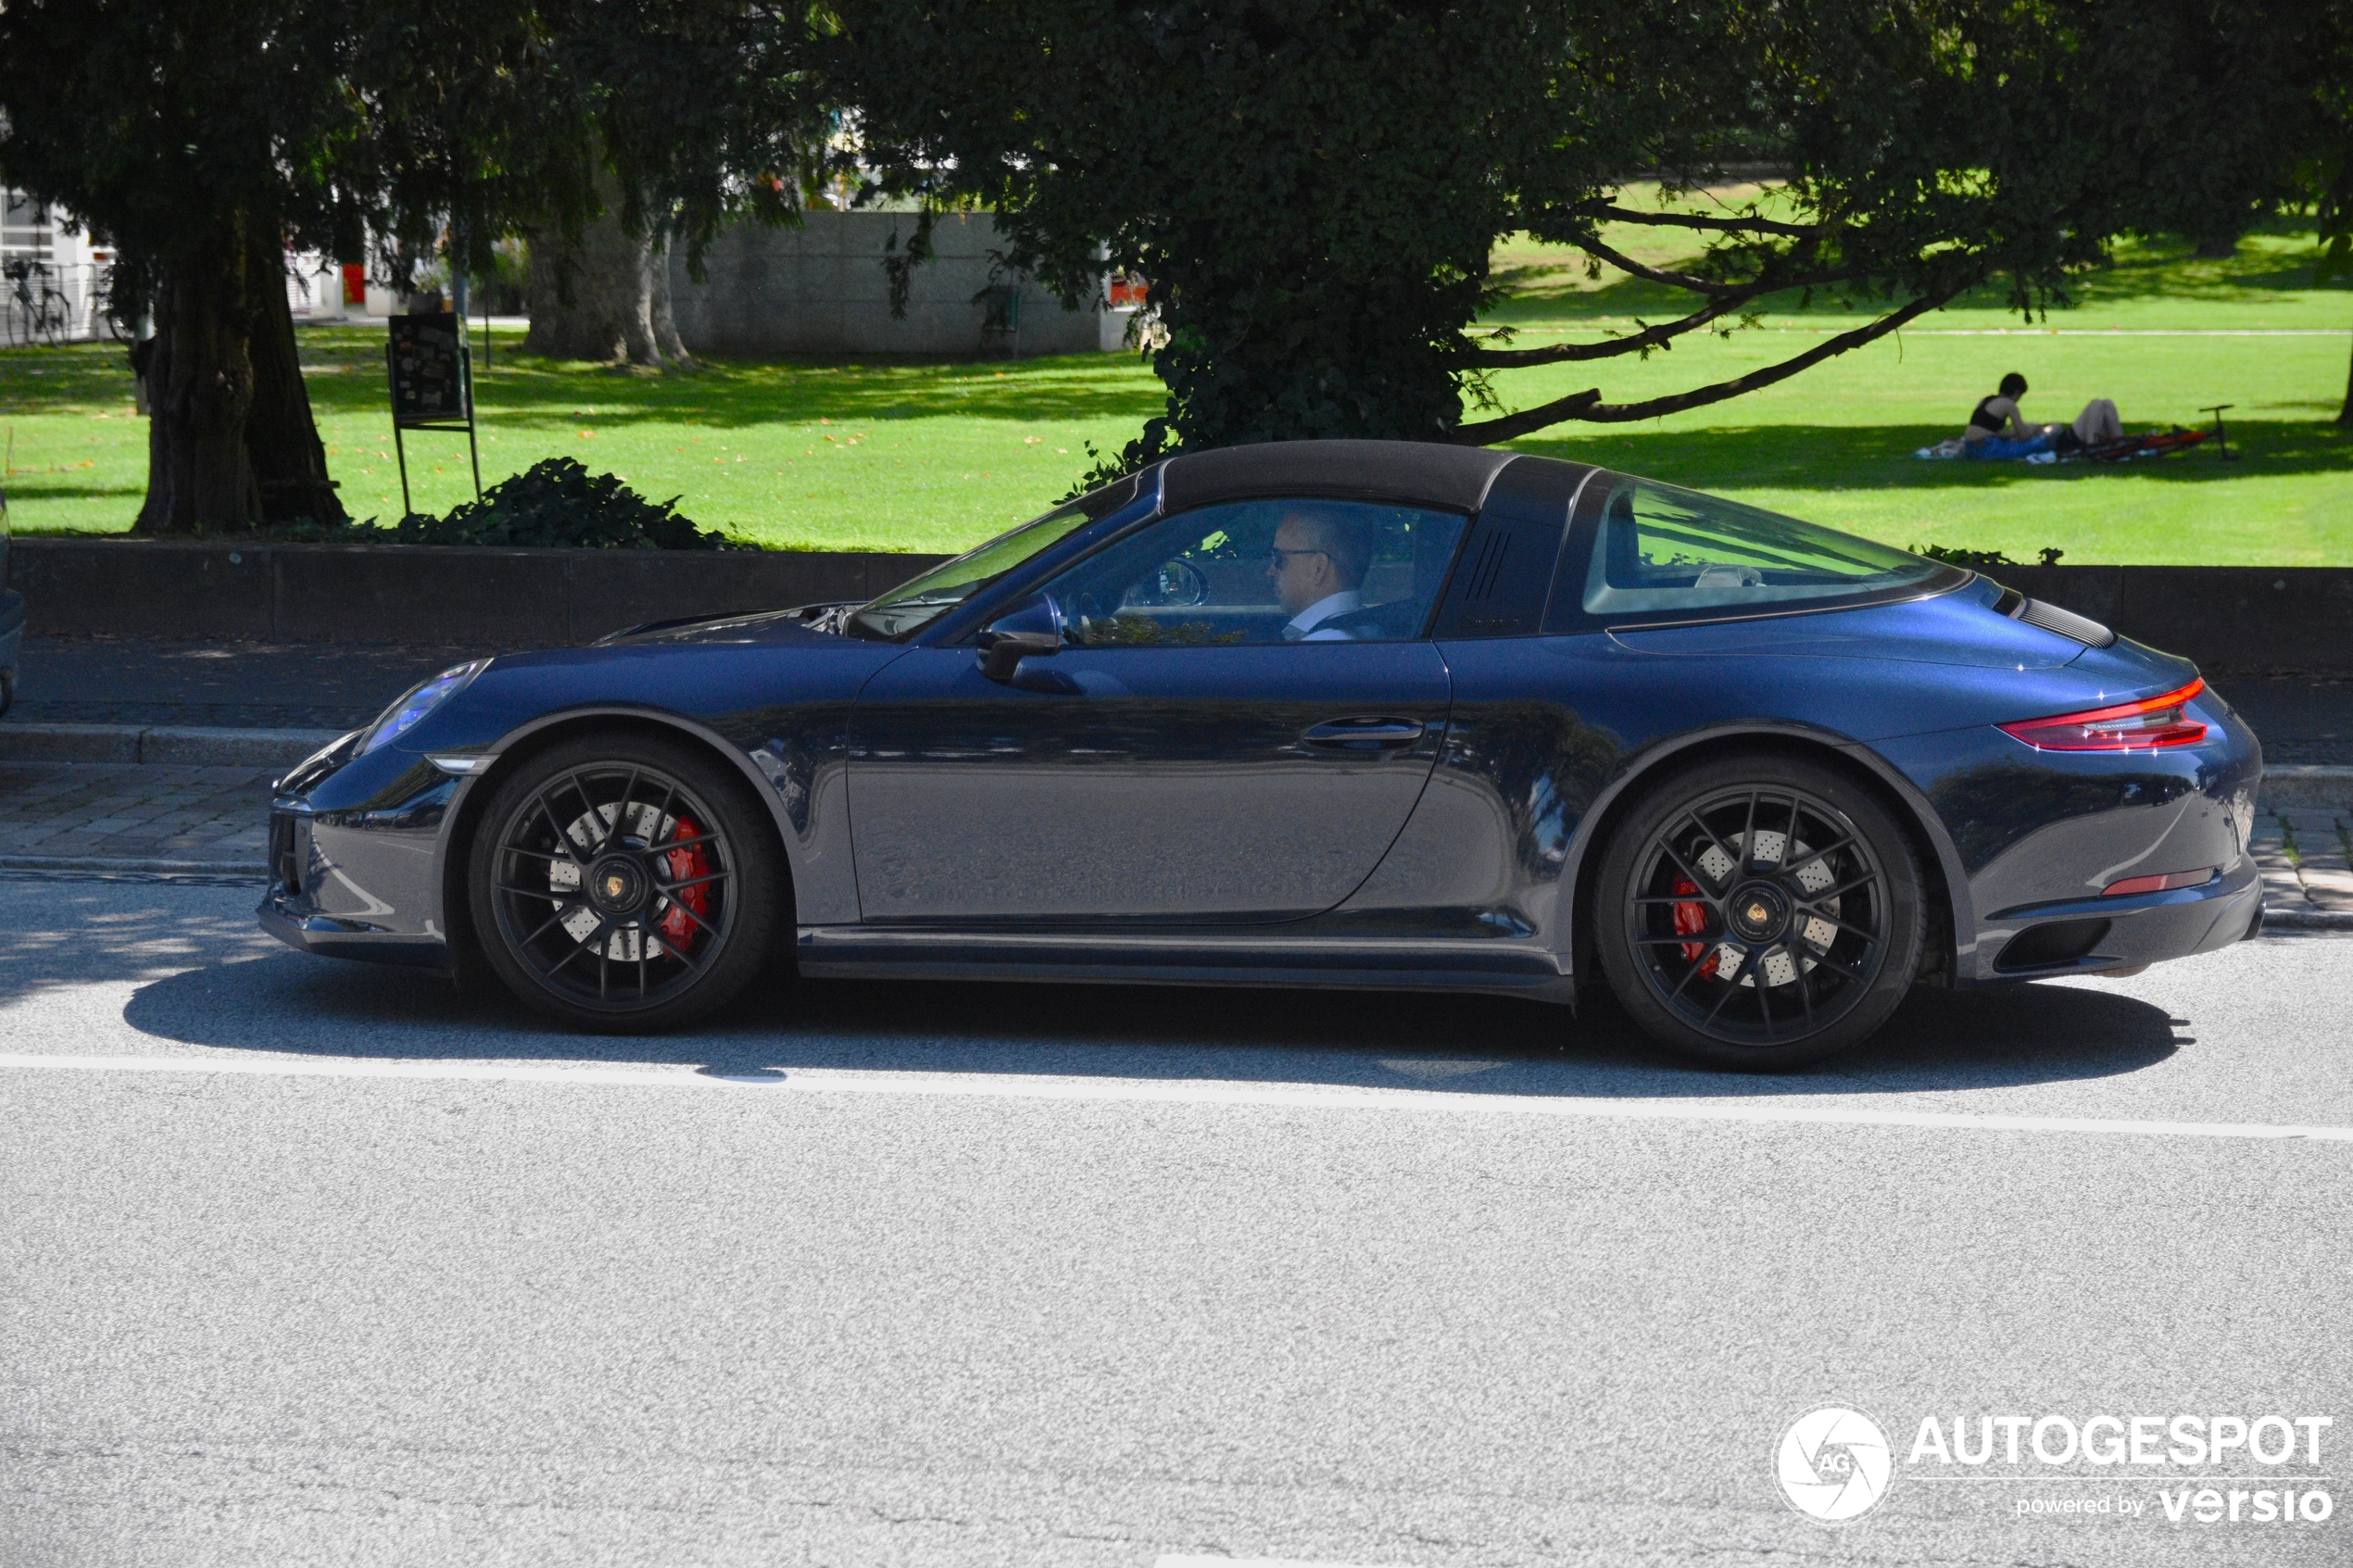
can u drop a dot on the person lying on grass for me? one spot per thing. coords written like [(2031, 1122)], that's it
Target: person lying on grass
[(1997, 430)]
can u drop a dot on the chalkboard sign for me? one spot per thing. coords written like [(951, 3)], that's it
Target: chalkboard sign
[(430, 385)]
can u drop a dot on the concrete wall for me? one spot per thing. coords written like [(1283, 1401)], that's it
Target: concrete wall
[(821, 289), (407, 593)]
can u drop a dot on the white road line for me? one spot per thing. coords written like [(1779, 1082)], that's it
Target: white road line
[(1246, 1563), (1292, 1095)]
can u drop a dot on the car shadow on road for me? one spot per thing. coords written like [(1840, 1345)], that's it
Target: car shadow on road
[(1486, 1045)]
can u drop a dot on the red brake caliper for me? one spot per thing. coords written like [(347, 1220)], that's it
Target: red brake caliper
[(687, 864), (1690, 920)]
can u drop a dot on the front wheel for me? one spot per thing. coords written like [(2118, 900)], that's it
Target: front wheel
[(1760, 913), (625, 883)]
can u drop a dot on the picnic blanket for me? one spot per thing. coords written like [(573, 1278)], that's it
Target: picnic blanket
[(2124, 448)]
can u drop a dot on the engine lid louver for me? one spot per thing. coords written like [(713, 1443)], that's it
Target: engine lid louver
[(2050, 618)]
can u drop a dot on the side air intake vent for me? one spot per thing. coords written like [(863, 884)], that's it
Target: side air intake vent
[(2055, 942), (2050, 618)]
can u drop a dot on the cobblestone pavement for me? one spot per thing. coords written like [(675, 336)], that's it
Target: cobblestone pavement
[(129, 810)]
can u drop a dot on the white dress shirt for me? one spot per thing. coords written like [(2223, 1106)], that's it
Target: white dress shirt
[(1303, 626)]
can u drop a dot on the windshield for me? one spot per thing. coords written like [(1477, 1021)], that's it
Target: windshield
[(912, 605), (1668, 552)]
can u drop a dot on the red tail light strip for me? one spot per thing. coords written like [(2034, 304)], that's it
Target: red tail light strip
[(2164, 884), (2131, 726)]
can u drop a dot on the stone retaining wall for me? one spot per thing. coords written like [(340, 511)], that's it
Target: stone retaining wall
[(423, 594)]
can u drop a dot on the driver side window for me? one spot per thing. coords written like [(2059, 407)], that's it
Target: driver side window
[(1250, 573)]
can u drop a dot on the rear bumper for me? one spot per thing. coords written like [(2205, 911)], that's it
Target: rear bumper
[(2148, 929)]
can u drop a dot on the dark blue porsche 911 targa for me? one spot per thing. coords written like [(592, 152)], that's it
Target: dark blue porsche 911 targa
[(1315, 713)]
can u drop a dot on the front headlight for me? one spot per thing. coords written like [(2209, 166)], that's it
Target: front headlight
[(404, 714)]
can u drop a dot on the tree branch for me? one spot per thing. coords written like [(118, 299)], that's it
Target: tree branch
[(1660, 275), (1651, 337), (1692, 220), (1588, 406), (1564, 353)]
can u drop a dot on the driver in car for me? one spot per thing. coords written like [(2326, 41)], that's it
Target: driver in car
[(1318, 564)]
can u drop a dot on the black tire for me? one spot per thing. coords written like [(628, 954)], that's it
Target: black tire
[(1733, 947), (626, 883)]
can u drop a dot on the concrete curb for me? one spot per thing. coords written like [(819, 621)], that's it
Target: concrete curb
[(2275, 918), (224, 872), (2322, 785), (184, 745)]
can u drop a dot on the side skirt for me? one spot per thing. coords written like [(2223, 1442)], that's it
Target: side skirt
[(863, 953)]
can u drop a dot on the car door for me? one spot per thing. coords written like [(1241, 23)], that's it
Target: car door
[(1188, 754)]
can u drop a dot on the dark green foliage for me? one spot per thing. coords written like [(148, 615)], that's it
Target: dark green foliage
[(555, 505), (2047, 555), (1314, 186), (1310, 189), (203, 137)]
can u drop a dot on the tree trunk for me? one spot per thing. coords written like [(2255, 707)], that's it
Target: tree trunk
[(231, 441), (282, 436), (619, 311), (2344, 415), (200, 379)]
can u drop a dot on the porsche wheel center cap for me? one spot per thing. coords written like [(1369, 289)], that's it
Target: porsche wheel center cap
[(616, 884), (1758, 912)]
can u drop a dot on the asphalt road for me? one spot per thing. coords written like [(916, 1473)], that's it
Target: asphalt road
[(305, 1263)]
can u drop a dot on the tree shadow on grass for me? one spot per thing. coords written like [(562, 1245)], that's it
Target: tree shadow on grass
[(2274, 263), (345, 376), (527, 393), (22, 489), (1800, 457)]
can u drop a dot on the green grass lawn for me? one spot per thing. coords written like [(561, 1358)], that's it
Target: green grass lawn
[(876, 454)]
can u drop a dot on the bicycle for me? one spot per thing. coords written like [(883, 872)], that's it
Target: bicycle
[(37, 317)]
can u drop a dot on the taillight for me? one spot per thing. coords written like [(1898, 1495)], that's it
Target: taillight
[(2131, 726), (2164, 884)]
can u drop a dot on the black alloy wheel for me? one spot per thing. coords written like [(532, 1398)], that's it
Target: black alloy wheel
[(625, 883), (1759, 913)]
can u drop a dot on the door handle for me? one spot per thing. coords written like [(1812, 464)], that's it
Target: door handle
[(1362, 734)]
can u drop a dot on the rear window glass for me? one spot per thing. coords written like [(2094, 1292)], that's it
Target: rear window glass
[(1668, 552)]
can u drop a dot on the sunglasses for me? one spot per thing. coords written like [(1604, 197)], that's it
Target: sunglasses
[(1282, 557)]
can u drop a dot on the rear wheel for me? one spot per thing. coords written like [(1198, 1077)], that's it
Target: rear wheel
[(1759, 913), (625, 883)]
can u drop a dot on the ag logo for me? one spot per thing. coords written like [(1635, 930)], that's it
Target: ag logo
[(1834, 1464)]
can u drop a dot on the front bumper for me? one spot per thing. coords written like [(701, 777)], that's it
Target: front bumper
[(283, 916), (356, 847)]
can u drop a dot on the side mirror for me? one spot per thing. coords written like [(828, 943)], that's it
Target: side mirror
[(1032, 628)]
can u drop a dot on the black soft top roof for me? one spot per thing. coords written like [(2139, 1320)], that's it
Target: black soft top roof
[(1423, 472)]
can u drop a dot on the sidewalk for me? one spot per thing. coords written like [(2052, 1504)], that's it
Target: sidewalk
[(172, 817), (128, 816)]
